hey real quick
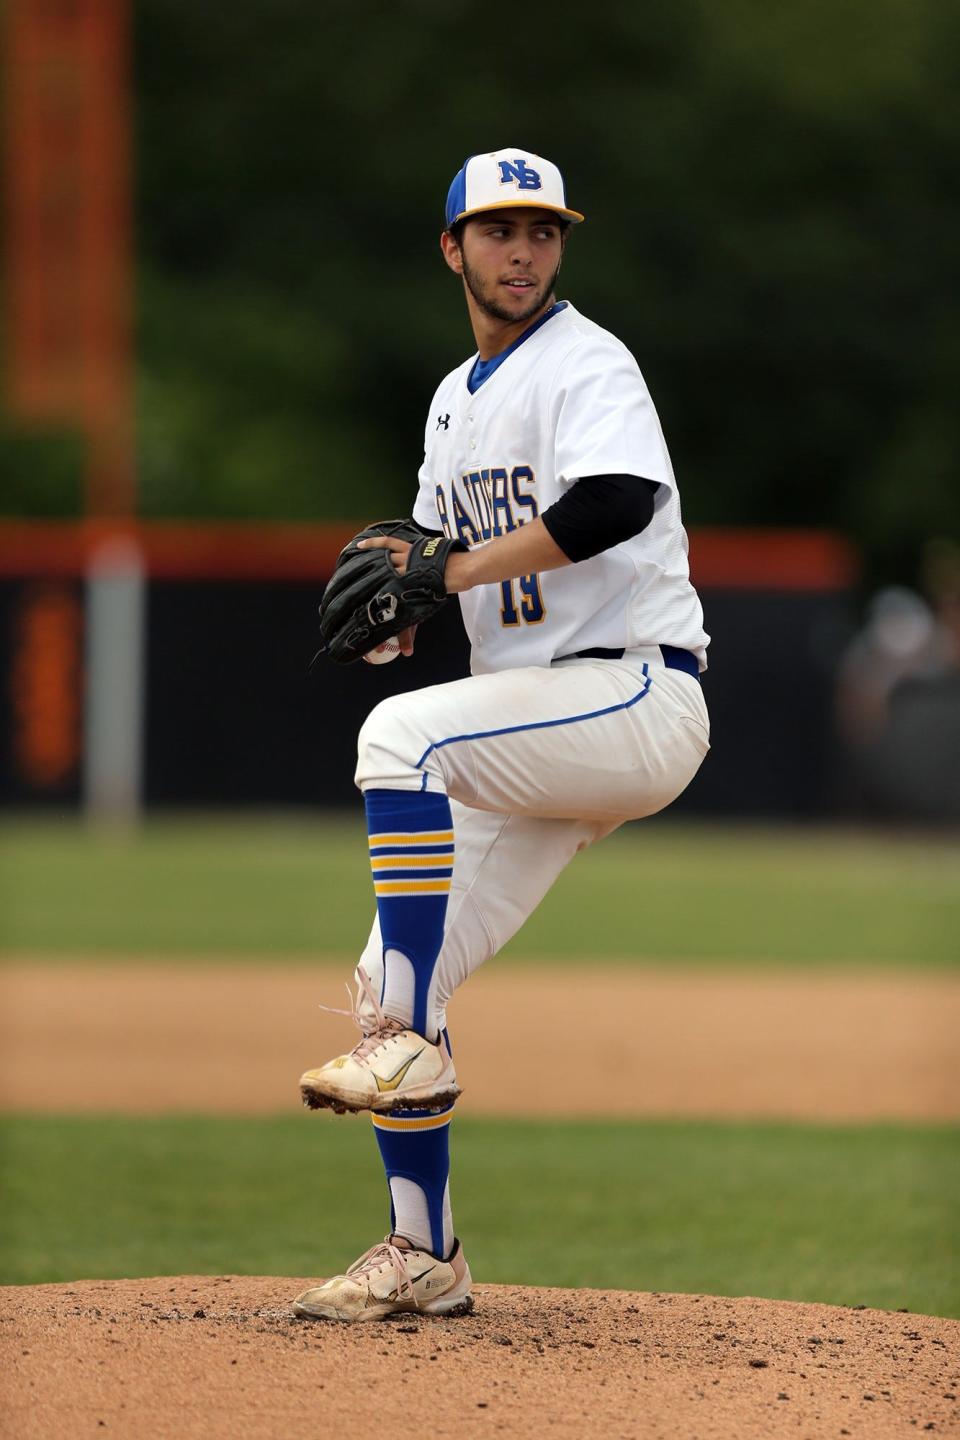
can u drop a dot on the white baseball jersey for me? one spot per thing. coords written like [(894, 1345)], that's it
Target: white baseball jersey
[(568, 402)]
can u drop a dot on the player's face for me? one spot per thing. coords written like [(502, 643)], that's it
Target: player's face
[(510, 260)]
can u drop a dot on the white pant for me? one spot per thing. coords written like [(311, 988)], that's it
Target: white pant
[(538, 764)]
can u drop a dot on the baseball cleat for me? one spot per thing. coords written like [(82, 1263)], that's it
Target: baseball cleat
[(391, 1068), (392, 1279)]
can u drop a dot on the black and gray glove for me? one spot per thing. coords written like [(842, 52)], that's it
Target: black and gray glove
[(367, 602)]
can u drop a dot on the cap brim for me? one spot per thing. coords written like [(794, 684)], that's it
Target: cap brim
[(573, 215)]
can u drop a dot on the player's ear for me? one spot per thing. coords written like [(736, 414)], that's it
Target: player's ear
[(451, 252)]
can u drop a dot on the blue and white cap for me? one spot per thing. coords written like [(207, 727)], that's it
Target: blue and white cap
[(506, 178)]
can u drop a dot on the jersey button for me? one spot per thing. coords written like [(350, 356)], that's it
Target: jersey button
[(473, 444)]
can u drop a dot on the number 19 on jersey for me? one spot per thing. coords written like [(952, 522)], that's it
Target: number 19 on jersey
[(527, 607)]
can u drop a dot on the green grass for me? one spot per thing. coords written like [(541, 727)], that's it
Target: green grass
[(846, 1215), (653, 892)]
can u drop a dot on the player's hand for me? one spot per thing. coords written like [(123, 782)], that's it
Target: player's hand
[(454, 575), (399, 549), (405, 639)]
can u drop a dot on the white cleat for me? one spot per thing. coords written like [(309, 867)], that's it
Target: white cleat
[(390, 1280), (392, 1068)]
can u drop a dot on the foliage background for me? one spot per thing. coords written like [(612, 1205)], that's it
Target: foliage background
[(772, 205)]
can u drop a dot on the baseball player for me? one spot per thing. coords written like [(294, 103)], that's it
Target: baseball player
[(547, 499)]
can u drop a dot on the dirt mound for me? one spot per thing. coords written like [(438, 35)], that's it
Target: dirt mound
[(223, 1356)]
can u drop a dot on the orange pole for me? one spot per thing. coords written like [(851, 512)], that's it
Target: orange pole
[(69, 231)]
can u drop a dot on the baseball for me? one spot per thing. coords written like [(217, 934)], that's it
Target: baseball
[(384, 653)]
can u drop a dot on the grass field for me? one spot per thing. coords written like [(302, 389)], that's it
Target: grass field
[(843, 1215), (657, 891), (839, 1214)]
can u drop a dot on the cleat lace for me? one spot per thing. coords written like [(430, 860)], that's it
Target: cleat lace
[(386, 1254), (386, 1025)]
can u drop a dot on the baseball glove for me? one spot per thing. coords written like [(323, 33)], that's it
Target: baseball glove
[(367, 602)]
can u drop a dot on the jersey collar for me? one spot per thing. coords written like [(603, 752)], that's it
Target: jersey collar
[(481, 370)]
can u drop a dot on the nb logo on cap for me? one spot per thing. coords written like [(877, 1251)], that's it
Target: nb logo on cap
[(519, 173)]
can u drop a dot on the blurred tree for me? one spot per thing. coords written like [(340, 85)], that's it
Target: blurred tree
[(773, 226)]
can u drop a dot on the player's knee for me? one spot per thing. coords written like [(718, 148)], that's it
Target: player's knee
[(387, 748)]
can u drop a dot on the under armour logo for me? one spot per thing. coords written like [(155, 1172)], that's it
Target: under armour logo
[(443, 420), (519, 173)]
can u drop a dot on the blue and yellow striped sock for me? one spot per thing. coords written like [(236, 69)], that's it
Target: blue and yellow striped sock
[(411, 855), (415, 1150)]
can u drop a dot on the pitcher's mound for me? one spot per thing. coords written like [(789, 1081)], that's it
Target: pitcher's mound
[(221, 1357)]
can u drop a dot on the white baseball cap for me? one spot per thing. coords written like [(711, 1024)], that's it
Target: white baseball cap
[(506, 178)]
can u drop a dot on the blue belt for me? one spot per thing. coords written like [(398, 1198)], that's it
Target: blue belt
[(673, 658)]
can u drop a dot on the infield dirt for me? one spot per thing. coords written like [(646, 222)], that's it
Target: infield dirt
[(678, 1042), (222, 1357)]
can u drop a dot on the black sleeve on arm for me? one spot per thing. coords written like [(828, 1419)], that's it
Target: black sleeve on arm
[(423, 529), (599, 512)]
